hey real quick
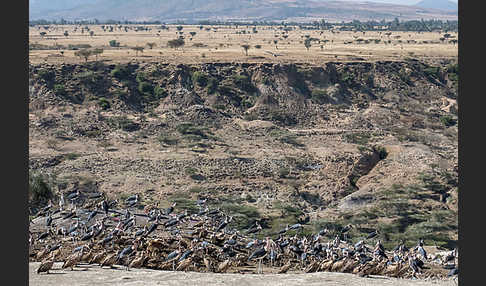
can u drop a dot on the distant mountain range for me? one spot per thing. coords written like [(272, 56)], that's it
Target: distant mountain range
[(237, 10), (438, 4)]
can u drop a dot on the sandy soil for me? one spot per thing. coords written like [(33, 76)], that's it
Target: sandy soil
[(225, 45), (89, 275)]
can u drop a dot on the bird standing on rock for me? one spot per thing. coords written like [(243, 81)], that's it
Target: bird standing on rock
[(127, 251), (372, 234), (285, 268), (47, 264), (170, 209), (62, 202), (139, 260), (105, 207), (223, 266), (256, 228), (109, 260), (224, 223), (73, 259)]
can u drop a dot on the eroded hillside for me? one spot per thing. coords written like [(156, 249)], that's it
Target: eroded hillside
[(368, 144)]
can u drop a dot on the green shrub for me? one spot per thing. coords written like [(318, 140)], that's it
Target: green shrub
[(319, 96), (71, 156), (47, 75), (212, 85), (160, 92), (76, 47), (292, 140), (122, 122), (347, 78), (176, 43), (282, 117), (141, 77), (121, 72), (93, 133), (114, 43), (190, 129), (404, 76), (104, 103), (200, 78), (453, 68), (382, 153), (167, 139), (39, 188), (244, 83), (247, 102), (145, 87), (432, 71), (190, 171), (283, 172), (357, 138), (184, 203), (243, 215), (447, 120), (59, 89), (196, 190)]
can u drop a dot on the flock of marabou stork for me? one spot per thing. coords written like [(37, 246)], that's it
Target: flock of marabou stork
[(98, 232)]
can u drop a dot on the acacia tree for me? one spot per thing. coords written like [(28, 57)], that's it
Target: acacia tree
[(151, 45), (307, 43), (176, 43), (84, 53), (66, 34), (246, 47), (96, 52), (137, 49), (275, 42)]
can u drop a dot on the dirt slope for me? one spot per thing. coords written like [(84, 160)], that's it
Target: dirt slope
[(370, 144)]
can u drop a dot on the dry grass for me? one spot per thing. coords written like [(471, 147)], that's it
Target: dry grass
[(224, 45)]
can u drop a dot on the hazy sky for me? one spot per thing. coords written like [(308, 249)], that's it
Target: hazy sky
[(402, 2)]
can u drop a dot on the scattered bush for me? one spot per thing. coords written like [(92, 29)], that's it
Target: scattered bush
[(319, 96), (40, 189), (71, 156), (121, 72), (59, 89), (244, 83), (160, 92), (104, 103), (292, 140), (382, 153), (47, 75), (282, 117), (357, 138), (447, 120), (283, 172), (189, 128), (76, 47), (243, 215), (114, 43), (145, 88), (432, 72), (176, 43), (122, 122), (200, 78), (166, 139)]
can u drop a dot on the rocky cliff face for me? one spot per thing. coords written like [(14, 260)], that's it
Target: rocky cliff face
[(372, 144)]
